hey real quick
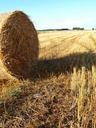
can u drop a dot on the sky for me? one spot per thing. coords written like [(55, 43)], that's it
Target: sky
[(51, 14)]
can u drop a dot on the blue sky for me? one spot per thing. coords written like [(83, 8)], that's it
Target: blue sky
[(55, 13)]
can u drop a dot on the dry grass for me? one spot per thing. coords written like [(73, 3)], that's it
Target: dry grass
[(61, 91)]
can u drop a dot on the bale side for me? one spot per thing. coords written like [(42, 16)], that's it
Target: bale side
[(19, 45)]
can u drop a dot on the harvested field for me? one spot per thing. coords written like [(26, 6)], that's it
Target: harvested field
[(60, 44), (61, 91)]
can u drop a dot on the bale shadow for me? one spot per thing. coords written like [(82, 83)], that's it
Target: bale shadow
[(56, 66)]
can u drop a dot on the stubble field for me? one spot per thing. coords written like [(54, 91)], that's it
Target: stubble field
[(61, 90)]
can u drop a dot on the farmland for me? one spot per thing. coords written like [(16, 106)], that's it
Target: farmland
[(61, 89)]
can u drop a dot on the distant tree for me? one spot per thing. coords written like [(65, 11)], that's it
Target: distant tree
[(78, 28), (93, 29), (65, 29)]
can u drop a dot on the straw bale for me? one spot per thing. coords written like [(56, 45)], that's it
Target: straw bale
[(19, 47)]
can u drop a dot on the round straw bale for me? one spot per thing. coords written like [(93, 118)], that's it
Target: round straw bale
[(19, 47)]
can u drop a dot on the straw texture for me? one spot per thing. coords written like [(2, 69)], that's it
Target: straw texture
[(19, 47)]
